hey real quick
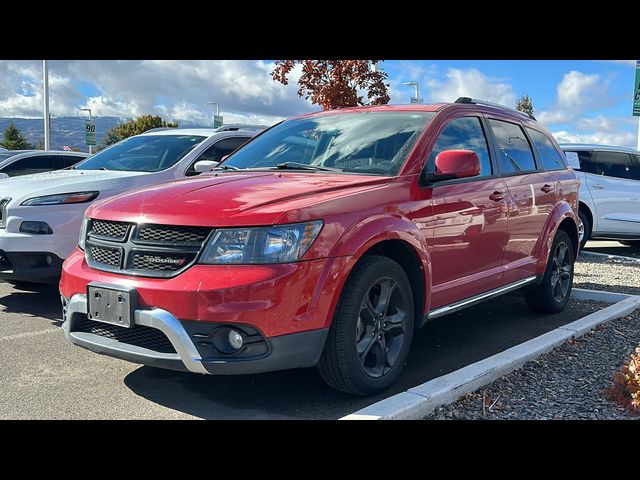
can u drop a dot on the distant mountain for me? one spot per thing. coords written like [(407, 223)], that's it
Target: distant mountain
[(65, 130)]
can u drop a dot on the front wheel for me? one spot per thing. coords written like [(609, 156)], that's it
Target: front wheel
[(371, 332), (584, 229), (552, 294)]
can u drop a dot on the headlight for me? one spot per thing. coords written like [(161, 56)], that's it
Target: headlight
[(63, 198), (278, 244), (83, 233)]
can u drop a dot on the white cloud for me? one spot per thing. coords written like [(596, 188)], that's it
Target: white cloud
[(179, 89), (623, 139), (576, 94), (471, 83)]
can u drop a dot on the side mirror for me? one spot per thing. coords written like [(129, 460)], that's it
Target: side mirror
[(452, 164), (204, 166)]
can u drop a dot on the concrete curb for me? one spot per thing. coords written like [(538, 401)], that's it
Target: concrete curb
[(620, 258), (419, 401)]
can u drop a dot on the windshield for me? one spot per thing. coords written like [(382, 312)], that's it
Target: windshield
[(146, 153), (374, 143)]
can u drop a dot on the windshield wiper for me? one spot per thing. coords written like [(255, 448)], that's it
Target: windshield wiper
[(225, 167), (304, 166)]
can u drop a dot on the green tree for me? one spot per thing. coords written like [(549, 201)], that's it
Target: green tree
[(14, 139), (134, 127), (525, 105), (336, 83)]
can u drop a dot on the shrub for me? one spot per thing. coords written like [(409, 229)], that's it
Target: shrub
[(626, 384)]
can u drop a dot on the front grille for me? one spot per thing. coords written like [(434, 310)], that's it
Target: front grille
[(137, 335), (106, 256), (172, 234), (160, 263), (150, 250), (110, 230)]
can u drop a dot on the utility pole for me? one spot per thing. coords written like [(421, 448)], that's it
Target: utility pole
[(45, 97)]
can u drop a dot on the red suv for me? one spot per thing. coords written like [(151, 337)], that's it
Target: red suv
[(327, 240)]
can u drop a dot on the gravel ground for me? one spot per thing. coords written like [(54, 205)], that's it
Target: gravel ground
[(568, 382)]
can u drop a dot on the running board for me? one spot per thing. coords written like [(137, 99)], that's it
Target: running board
[(454, 307)]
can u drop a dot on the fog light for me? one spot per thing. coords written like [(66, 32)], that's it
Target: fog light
[(235, 340), (36, 228)]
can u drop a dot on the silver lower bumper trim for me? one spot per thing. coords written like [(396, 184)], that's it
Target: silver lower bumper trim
[(154, 318)]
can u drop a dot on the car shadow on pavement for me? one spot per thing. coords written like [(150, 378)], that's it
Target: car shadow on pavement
[(442, 346), (40, 301)]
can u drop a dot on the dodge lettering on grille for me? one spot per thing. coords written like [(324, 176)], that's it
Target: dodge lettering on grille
[(165, 260)]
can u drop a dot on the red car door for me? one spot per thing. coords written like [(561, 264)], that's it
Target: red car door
[(529, 201), (469, 220)]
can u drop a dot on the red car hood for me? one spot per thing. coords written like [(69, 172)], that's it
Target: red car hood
[(229, 199)]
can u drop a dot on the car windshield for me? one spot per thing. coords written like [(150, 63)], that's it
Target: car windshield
[(145, 153), (373, 143)]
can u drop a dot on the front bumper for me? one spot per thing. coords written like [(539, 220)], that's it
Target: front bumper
[(295, 350), (37, 267)]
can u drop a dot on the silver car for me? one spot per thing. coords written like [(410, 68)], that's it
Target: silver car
[(23, 162)]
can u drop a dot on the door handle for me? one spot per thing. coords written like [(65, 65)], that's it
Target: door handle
[(496, 196), (547, 188), (597, 186)]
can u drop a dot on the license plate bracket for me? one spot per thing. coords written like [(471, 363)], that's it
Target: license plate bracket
[(114, 304)]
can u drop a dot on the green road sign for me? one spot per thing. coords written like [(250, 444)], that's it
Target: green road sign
[(89, 132), (217, 121), (636, 91)]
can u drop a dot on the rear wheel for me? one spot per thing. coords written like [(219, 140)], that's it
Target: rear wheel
[(584, 228), (371, 332), (552, 294)]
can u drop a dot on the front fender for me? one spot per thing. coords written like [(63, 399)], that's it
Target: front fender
[(561, 211)]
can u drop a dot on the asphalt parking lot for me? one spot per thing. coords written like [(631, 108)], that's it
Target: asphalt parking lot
[(44, 377)]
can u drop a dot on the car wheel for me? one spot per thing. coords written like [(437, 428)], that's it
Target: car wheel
[(552, 294), (584, 229), (370, 336)]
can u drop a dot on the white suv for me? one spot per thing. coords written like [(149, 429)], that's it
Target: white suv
[(41, 214), (609, 191)]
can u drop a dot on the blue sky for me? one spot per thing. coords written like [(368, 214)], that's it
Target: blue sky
[(586, 101)]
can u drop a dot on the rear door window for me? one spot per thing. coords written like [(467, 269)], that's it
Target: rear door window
[(612, 164), (515, 151), (547, 152)]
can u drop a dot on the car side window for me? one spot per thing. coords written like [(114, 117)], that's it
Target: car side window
[(549, 155), (65, 161), (222, 148), (615, 164), (26, 166), (463, 133), (516, 155)]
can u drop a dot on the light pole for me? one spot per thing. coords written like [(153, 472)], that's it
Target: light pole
[(45, 99), (88, 110), (417, 98)]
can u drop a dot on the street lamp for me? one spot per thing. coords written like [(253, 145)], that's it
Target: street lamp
[(88, 110), (417, 98), (45, 101), (217, 119)]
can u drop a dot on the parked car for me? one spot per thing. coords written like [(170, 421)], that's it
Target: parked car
[(41, 215), (609, 192), (14, 163), (327, 241)]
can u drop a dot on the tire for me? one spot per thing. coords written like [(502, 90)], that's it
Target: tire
[(587, 228), (635, 244), (550, 297), (340, 365)]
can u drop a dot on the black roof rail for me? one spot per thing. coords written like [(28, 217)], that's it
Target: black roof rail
[(475, 101)]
